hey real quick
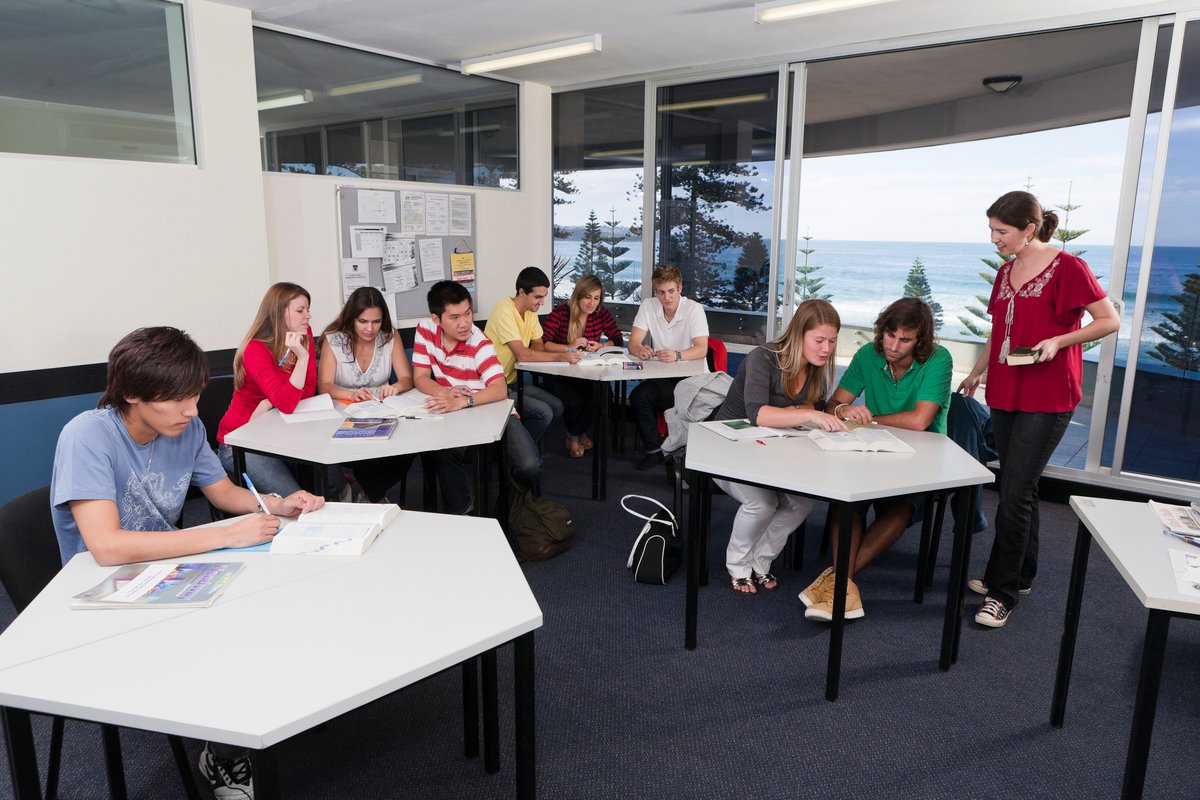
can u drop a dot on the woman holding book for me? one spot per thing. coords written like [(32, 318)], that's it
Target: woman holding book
[(1037, 302), (779, 385), (274, 368), (579, 323), (360, 352)]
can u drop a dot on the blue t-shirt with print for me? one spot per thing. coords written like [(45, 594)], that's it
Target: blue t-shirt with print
[(97, 460)]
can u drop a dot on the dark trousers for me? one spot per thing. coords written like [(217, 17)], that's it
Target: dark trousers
[(380, 474), (1025, 441), (578, 398), (647, 399)]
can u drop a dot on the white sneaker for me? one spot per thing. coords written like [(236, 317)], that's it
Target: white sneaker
[(977, 586), (230, 780)]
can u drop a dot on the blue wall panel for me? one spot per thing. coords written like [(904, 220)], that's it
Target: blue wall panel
[(28, 434)]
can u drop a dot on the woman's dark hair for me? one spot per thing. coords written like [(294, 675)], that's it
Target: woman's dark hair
[(154, 364), (1020, 209), (445, 293), (358, 302), (911, 313)]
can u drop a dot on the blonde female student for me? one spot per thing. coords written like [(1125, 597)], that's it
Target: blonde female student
[(274, 368), (781, 384), (360, 352)]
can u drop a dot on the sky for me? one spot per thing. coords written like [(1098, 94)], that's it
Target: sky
[(941, 193)]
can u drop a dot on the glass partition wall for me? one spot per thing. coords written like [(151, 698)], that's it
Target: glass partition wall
[(903, 152)]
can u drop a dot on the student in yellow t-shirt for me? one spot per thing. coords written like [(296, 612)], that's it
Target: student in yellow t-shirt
[(516, 334)]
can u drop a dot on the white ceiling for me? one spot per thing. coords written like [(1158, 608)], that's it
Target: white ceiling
[(646, 37)]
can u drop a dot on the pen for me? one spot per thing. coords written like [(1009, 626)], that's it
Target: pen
[(253, 491), (760, 441)]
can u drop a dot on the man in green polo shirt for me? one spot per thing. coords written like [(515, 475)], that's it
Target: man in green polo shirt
[(906, 376)]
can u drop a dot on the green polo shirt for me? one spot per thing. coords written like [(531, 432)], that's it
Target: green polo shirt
[(930, 381)]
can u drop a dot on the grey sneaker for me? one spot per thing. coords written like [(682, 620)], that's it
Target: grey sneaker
[(230, 780), (977, 586), (993, 613)]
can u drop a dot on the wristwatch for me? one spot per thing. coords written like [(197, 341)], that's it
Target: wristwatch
[(470, 401), (678, 355)]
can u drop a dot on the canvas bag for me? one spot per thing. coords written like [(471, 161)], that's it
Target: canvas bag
[(696, 398), (658, 550), (536, 521)]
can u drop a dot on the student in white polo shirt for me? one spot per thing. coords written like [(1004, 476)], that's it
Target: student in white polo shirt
[(676, 330)]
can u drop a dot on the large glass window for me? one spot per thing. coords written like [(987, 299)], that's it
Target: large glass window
[(98, 80), (904, 152), (598, 161), (716, 174), (331, 110)]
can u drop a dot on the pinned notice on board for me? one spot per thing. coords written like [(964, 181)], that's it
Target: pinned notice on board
[(462, 264)]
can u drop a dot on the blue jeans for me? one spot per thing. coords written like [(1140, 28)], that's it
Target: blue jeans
[(540, 408), (269, 474), (1025, 441), (522, 452)]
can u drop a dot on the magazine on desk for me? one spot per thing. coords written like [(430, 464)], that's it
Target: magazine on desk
[(1182, 521), (175, 585), (335, 529), (867, 438), (359, 428), (741, 430)]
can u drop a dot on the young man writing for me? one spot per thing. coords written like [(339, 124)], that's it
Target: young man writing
[(678, 331), (456, 365), (516, 333), (122, 472), (906, 376)]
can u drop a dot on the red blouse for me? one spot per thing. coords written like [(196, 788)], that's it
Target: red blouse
[(1050, 304), (266, 379)]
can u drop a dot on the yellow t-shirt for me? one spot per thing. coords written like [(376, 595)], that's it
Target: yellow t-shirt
[(506, 325)]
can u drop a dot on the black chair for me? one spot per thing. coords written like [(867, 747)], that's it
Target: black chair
[(29, 559)]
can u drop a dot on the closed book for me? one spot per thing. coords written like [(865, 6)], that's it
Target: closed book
[(1020, 356), (366, 428), (168, 585)]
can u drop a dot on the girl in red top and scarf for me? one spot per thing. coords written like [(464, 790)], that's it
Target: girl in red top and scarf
[(1038, 300)]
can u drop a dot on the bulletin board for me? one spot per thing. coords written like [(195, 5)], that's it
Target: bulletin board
[(402, 242)]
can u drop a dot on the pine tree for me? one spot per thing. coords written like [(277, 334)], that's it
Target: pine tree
[(1181, 331), (587, 259), (1064, 234), (563, 186), (917, 285), (609, 263), (979, 323), (751, 278), (808, 286)]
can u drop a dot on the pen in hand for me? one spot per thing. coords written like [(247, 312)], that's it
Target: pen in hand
[(253, 491)]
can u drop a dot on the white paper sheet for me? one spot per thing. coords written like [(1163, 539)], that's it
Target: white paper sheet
[(437, 212), (412, 213), (460, 215), (366, 241), (432, 268), (355, 275), (1186, 568), (399, 250), (376, 206), (399, 278)]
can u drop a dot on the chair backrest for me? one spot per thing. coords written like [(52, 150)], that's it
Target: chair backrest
[(214, 402), (29, 556), (718, 356)]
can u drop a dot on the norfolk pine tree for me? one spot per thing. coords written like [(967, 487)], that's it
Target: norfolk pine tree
[(917, 285)]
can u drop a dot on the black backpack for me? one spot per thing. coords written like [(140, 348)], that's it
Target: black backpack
[(658, 550), (540, 527)]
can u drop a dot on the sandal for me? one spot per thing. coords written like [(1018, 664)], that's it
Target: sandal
[(585, 441), (743, 586), (765, 581), (574, 449)]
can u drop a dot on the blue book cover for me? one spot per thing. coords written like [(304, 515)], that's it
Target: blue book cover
[(366, 428)]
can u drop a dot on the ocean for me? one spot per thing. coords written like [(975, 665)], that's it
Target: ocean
[(863, 277)]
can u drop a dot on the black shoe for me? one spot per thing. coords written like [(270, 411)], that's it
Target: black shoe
[(651, 460)]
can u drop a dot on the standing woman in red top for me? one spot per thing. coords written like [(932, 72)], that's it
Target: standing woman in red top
[(1038, 300), (274, 368), (579, 323)]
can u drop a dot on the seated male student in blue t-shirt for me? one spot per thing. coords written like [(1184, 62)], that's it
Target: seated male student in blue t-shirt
[(122, 472)]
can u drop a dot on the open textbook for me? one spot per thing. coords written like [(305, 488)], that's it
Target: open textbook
[(173, 585), (866, 438), (607, 356), (338, 529), (410, 405), (741, 429)]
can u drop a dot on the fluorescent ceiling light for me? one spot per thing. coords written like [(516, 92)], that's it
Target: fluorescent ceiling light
[(532, 55), (716, 101), (779, 10), (284, 100), (374, 86)]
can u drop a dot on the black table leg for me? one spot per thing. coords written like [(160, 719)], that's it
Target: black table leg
[(470, 696), (960, 554), (1066, 649), (491, 715), (266, 774), (22, 757), (841, 572), (923, 552), (966, 502), (1153, 648), (526, 742), (239, 465), (113, 763), (695, 554), (600, 443), (705, 528)]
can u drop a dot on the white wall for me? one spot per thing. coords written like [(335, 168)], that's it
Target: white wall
[(91, 249), (512, 227)]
